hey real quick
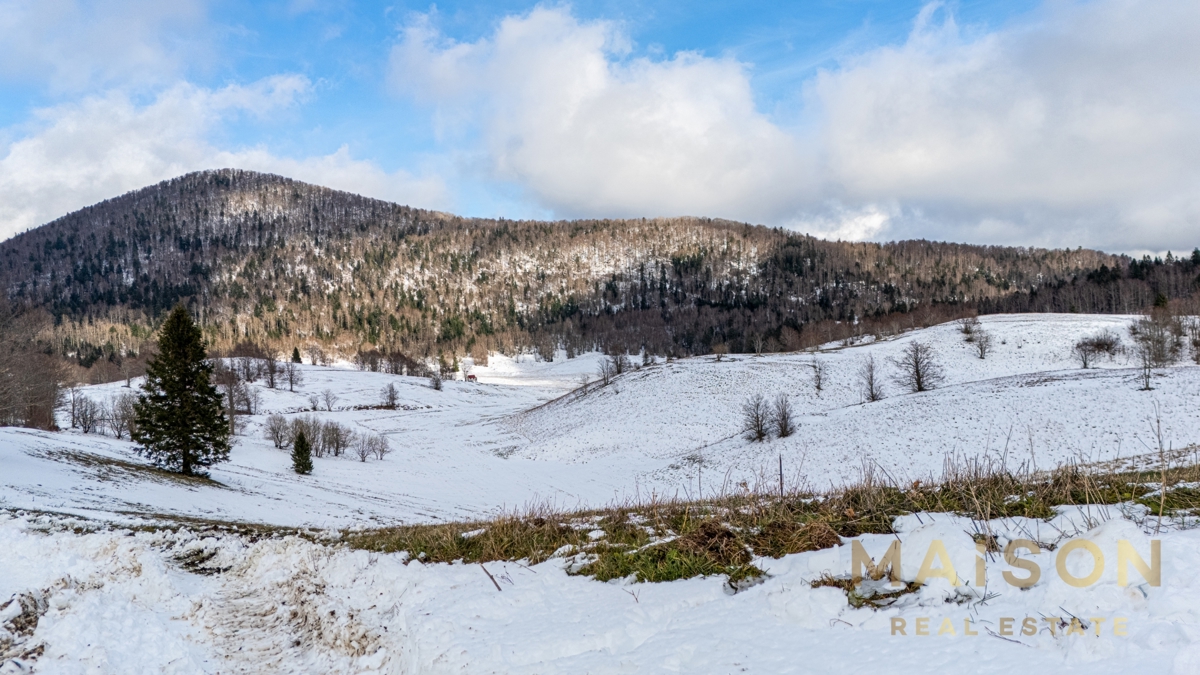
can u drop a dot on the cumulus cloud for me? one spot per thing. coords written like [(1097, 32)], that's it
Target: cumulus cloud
[(1080, 124), (72, 45), (1077, 125), (76, 154), (561, 111)]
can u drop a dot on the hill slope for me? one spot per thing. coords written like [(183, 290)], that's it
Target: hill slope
[(278, 262), (521, 435)]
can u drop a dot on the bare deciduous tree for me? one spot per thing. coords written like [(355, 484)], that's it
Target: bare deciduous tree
[(818, 374), (968, 326), (1146, 359), (1088, 349), (121, 414), (983, 343), (225, 376), (293, 375), (270, 371), (336, 439), (782, 417), (435, 380), (130, 368), (329, 399), (316, 355), (371, 445), (249, 368), (311, 426), (74, 398), (253, 398), (755, 417), (607, 371), (389, 396), (1160, 335), (1084, 352), (362, 450), (380, 445), (868, 375), (918, 368), (89, 414), (278, 431)]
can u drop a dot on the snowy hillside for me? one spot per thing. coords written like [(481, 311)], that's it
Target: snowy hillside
[(1027, 400), (81, 597), (519, 436)]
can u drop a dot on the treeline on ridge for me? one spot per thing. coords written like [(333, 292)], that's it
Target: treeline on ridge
[(271, 261)]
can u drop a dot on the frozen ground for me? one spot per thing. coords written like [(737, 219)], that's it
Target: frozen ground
[(112, 600), (520, 435)]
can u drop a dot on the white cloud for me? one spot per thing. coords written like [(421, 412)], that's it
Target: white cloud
[(76, 44), (77, 154), (837, 222), (1078, 125), (1081, 125), (587, 132)]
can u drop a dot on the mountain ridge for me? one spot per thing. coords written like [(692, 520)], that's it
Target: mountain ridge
[(268, 259)]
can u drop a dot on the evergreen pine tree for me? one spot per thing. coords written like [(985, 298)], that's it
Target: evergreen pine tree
[(180, 422), (302, 455), (296, 355)]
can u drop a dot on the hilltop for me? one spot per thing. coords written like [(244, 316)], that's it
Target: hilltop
[(268, 260)]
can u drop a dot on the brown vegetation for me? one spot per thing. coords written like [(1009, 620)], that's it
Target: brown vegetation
[(671, 539), (285, 265)]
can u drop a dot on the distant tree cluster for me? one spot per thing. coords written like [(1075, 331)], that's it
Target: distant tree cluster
[(324, 438), (30, 379), (117, 415)]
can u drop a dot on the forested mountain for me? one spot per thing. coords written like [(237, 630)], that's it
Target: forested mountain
[(264, 259)]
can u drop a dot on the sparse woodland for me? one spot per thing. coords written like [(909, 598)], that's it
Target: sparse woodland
[(286, 266)]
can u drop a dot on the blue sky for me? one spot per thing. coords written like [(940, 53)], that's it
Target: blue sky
[(1058, 124), (344, 46)]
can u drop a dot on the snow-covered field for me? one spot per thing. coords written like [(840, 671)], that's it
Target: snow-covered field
[(519, 436), (118, 600)]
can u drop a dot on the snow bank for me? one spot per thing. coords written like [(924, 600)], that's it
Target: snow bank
[(120, 603)]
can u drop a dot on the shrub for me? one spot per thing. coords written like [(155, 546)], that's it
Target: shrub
[(983, 343), (754, 417), (278, 431), (1087, 349), (868, 375), (389, 396), (782, 417), (371, 445)]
